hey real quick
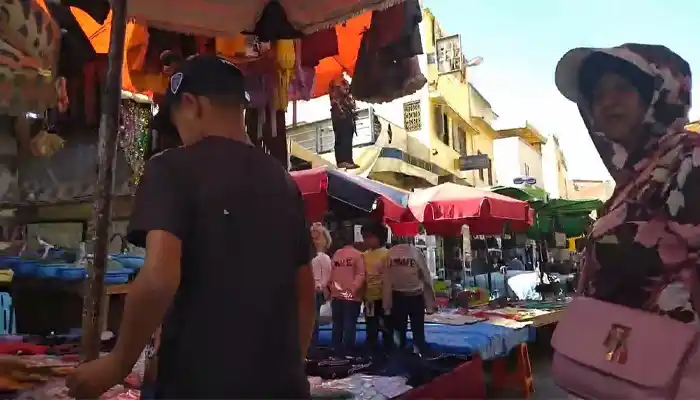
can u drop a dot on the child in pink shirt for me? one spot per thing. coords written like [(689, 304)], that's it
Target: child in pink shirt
[(347, 281)]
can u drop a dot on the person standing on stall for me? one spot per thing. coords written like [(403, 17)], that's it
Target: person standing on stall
[(213, 216), (375, 236), (408, 293), (347, 281), (321, 265)]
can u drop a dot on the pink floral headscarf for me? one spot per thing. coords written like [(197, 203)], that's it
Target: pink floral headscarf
[(643, 252)]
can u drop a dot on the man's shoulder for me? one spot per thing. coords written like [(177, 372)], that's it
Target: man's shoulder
[(166, 158)]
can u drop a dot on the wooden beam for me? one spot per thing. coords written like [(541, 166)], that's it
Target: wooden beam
[(102, 205)]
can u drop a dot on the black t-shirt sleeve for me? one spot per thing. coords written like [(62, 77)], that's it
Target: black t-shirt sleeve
[(159, 204), (304, 248)]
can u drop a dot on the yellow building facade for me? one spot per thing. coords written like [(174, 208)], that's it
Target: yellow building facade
[(459, 118), (412, 142)]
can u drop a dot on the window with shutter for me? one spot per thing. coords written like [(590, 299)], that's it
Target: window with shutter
[(411, 116)]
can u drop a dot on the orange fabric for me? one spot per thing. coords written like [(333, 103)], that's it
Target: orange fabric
[(349, 39), (329, 69), (230, 47), (99, 38), (42, 4), (134, 58)]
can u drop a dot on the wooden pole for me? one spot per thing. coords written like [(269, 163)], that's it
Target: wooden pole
[(102, 203)]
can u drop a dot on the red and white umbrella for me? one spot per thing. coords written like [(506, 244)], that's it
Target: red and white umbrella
[(445, 208)]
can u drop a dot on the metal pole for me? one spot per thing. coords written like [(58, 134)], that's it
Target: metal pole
[(102, 202)]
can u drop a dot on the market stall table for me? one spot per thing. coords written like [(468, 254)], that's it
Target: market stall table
[(49, 305)]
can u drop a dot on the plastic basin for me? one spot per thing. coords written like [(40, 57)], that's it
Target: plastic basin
[(131, 262)]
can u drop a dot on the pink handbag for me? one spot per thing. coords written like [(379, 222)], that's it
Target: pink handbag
[(607, 351)]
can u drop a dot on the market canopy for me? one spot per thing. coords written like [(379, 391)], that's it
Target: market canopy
[(349, 196), (445, 208), (348, 33), (571, 217), (271, 20)]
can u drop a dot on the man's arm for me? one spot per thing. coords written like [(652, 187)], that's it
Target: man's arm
[(150, 296), (306, 289), (159, 221), (306, 285)]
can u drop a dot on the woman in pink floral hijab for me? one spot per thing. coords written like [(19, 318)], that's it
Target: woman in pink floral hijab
[(643, 251)]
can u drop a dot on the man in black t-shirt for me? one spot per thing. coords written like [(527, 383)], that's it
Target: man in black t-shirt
[(227, 255)]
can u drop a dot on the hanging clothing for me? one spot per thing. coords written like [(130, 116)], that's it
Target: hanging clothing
[(387, 65), (317, 46)]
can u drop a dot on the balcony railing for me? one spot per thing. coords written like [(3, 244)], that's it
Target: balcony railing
[(319, 137)]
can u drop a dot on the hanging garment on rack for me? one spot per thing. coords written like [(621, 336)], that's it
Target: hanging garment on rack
[(396, 22), (138, 65), (389, 70), (302, 83), (317, 46), (274, 24), (379, 80)]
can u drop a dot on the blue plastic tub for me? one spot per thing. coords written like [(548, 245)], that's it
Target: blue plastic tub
[(72, 273), (131, 262), (116, 276), (8, 262), (25, 267), (50, 271), (116, 279)]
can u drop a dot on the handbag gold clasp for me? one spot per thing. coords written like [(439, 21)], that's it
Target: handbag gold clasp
[(616, 344)]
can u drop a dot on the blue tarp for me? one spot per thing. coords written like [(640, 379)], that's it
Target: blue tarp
[(488, 340)]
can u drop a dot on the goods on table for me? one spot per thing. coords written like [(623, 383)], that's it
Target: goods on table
[(360, 386), (23, 372), (476, 296), (452, 318)]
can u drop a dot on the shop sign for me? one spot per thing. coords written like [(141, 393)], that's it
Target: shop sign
[(469, 163)]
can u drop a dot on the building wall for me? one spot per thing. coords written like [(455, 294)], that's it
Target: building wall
[(550, 169), (515, 158), (562, 175), (591, 189), (554, 169), (444, 96)]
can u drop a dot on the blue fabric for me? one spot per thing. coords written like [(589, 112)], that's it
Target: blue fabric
[(488, 340), (319, 302), (8, 325)]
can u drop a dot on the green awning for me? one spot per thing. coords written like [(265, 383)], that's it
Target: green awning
[(553, 215), (524, 193), (570, 207)]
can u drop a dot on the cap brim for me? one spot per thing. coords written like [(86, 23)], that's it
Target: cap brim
[(567, 72)]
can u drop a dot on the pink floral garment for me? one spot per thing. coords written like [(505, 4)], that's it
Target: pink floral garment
[(643, 252)]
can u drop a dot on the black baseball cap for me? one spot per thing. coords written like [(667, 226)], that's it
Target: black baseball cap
[(201, 75)]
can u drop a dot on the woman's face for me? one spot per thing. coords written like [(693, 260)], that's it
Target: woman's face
[(617, 108), (318, 239)]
